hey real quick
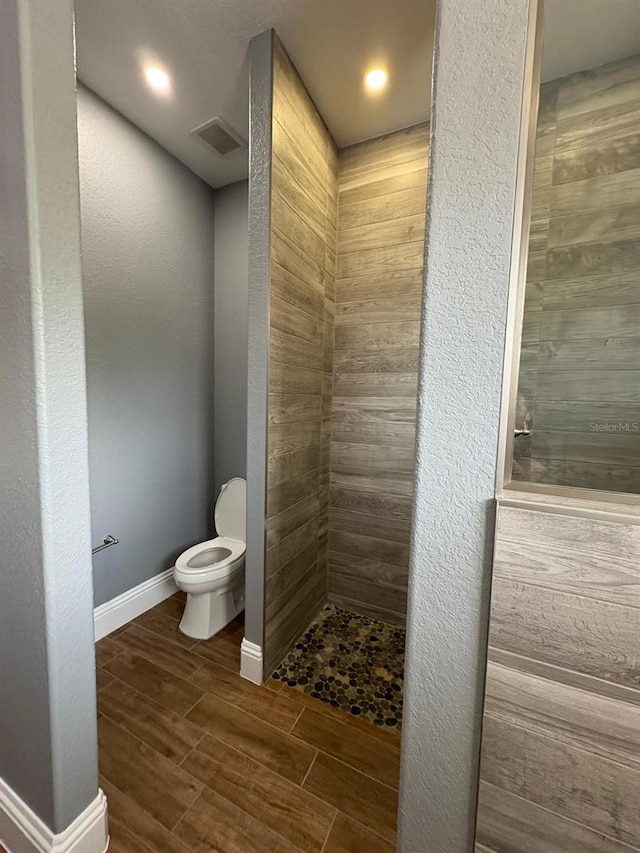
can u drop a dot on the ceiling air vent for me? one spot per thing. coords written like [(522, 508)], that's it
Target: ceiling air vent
[(222, 138)]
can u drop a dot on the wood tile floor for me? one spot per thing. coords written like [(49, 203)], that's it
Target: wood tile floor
[(194, 758)]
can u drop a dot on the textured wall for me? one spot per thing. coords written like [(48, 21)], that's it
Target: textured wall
[(580, 363), (230, 333), (560, 735), (260, 108), (147, 259), (381, 215), (480, 48), (301, 314), (48, 750)]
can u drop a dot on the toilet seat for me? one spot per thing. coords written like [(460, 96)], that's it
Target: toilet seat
[(214, 569)]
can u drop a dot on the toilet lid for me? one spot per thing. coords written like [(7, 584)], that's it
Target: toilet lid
[(231, 510)]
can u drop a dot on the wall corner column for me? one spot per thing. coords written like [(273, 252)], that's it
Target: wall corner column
[(475, 127)]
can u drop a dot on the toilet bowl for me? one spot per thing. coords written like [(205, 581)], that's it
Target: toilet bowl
[(212, 573)]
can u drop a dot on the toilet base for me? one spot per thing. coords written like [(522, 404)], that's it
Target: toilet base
[(207, 613)]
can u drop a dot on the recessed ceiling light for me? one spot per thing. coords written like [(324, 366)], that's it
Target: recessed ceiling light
[(376, 79), (157, 78)]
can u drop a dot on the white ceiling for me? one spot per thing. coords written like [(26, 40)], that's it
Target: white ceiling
[(203, 45), (588, 33)]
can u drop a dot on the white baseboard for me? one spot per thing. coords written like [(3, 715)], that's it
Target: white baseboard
[(117, 612), (22, 831), (251, 661)]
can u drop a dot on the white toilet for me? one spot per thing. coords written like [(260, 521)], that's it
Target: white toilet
[(212, 573)]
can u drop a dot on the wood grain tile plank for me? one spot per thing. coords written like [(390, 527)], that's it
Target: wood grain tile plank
[(385, 309), (393, 148), (347, 457), (278, 711), (394, 360), (214, 823), (221, 650), (285, 495), (598, 386), (279, 805), (389, 232), (279, 581), (288, 547), (589, 636), (366, 569), (172, 606), (164, 731), (138, 822), (106, 649), (260, 741), (379, 482), (386, 258), (292, 463), (360, 545), (354, 748), (153, 647), (597, 158), (286, 438), (165, 626), (380, 384), (373, 501), (390, 737), (382, 208), (294, 408), (354, 794), (378, 526), (103, 679), (592, 791), (155, 783), (402, 283), (153, 681), (596, 193), (370, 592), (585, 475), (281, 525), (592, 291), (347, 836), (578, 417), (603, 353), (603, 86), (597, 258), (289, 288), (596, 724), (378, 335), (509, 822)]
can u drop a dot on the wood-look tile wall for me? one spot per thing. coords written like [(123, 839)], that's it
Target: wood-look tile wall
[(580, 364), (560, 767), (302, 309), (381, 221)]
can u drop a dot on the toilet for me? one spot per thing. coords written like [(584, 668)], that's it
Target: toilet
[(212, 573)]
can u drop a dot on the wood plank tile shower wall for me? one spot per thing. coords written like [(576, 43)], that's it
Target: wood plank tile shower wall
[(560, 768), (302, 308), (580, 363), (381, 221)]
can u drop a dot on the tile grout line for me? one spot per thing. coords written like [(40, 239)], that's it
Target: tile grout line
[(326, 841), (313, 761), (296, 721)]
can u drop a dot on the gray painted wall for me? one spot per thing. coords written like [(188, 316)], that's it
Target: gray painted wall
[(48, 752), (231, 332), (147, 246), (479, 64)]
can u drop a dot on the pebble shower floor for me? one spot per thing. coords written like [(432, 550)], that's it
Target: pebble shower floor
[(350, 662)]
